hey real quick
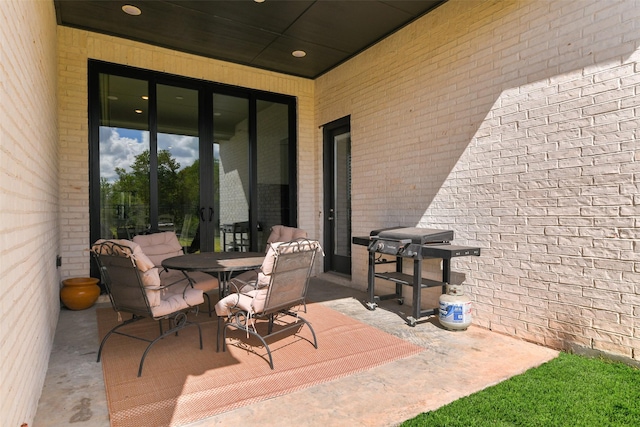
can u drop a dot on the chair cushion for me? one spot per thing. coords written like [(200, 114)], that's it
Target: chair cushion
[(251, 302), (264, 275), (203, 281), (267, 265), (159, 246), (282, 233), (174, 282), (279, 234), (175, 298), (151, 279), (142, 260)]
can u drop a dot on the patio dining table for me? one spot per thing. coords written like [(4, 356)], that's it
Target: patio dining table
[(220, 264)]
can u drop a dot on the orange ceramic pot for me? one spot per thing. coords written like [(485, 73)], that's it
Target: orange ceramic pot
[(79, 293)]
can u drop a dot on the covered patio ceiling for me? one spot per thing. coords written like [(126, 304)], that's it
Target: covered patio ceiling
[(260, 33)]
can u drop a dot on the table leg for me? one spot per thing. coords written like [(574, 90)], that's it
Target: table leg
[(223, 283)]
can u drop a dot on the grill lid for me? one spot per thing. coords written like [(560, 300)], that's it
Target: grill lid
[(416, 235)]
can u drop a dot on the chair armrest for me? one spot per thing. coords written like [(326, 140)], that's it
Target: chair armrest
[(240, 286), (168, 278)]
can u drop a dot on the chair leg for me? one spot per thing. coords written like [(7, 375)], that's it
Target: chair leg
[(177, 326), (206, 295), (306, 322), (114, 330), (249, 331), (237, 324), (270, 324), (220, 323), (313, 333)]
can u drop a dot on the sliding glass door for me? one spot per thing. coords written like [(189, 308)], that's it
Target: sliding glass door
[(275, 183), (231, 179), (178, 162), (124, 147), (212, 163)]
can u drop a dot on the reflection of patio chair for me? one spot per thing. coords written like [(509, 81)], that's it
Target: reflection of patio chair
[(282, 233), (165, 223), (186, 227), (195, 243), (282, 285), (239, 232), (190, 241), (124, 230), (135, 287), (159, 246)]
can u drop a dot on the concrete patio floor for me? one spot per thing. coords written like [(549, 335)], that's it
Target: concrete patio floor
[(453, 365)]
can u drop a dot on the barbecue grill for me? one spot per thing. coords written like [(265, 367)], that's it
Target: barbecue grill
[(413, 243)]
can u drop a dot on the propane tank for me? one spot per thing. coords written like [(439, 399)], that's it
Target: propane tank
[(455, 309)]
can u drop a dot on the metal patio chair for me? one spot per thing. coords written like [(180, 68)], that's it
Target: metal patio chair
[(135, 287), (281, 287)]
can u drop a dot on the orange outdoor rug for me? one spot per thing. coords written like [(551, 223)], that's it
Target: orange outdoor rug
[(181, 383)]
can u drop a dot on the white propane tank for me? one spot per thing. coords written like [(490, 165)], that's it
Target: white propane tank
[(455, 309)]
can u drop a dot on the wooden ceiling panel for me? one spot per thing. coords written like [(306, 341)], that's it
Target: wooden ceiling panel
[(277, 56), (261, 35), (273, 16), (347, 25)]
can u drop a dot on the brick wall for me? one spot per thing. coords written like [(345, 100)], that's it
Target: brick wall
[(75, 47), (515, 124), (29, 230)]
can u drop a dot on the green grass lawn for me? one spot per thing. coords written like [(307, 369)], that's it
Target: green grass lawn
[(570, 390)]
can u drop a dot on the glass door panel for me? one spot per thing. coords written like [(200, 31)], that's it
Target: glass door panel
[(231, 175), (337, 203), (272, 167), (178, 163), (124, 156), (342, 195)]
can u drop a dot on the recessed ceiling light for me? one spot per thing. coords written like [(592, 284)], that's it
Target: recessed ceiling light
[(145, 97), (217, 114), (131, 10), (112, 98), (138, 111), (179, 98), (299, 53), (259, 1)]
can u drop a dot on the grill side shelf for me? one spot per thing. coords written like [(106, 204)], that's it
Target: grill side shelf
[(406, 279), (448, 251)]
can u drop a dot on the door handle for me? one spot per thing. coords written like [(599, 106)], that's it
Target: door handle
[(210, 214), (202, 214)]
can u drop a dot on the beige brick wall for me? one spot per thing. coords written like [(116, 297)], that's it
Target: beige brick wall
[(29, 231), (516, 125), (76, 47)]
